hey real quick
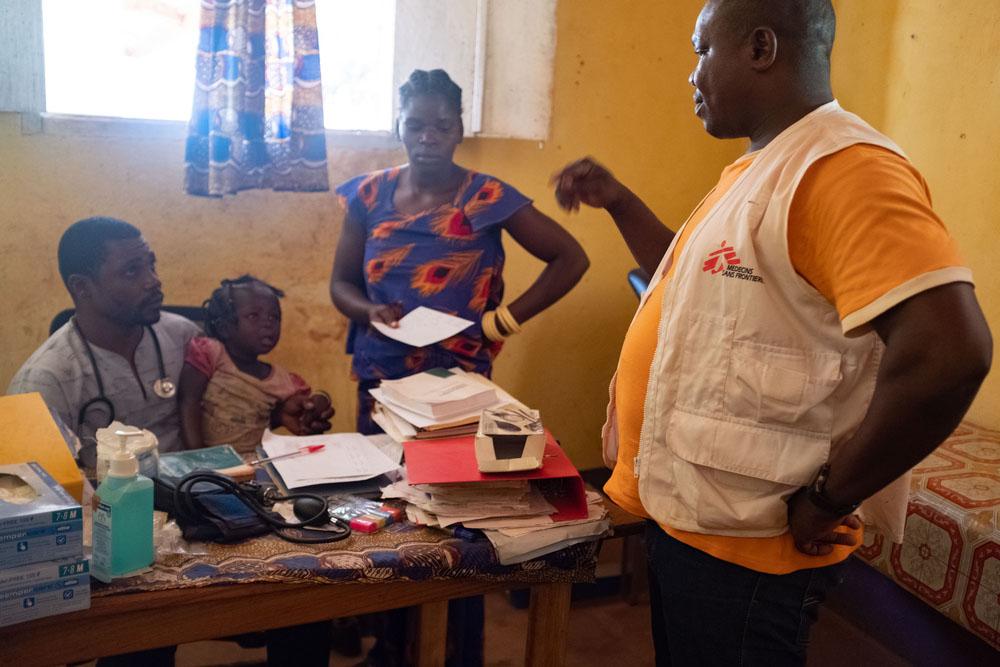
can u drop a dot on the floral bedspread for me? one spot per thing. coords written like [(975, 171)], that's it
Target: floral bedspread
[(950, 556)]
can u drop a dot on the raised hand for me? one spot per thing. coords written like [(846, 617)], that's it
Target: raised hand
[(587, 181)]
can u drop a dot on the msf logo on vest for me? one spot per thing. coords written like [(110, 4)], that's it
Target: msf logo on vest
[(726, 262)]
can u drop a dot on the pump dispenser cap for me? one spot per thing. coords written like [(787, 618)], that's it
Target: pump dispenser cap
[(123, 462)]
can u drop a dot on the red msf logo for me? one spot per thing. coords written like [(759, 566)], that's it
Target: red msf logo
[(718, 260)]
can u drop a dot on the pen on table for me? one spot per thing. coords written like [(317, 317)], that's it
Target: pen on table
[(309, 449), (246, 470)]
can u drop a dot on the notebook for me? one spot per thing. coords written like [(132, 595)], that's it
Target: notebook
[(438, 394), (175, 465), (366, 488)]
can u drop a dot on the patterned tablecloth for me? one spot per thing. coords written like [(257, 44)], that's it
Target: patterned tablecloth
[(950, 556), (400, 552)]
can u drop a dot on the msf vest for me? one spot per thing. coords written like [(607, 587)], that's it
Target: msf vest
[(754, 381)]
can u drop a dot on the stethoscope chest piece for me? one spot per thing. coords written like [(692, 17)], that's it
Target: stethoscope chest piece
[(164, 388)]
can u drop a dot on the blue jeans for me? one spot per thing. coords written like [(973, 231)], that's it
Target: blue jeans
[(706, 611)]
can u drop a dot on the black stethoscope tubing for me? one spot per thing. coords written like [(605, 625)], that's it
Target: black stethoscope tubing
[(186, 507), (102, 398)]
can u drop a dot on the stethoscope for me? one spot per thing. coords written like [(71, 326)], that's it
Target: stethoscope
[(163, 386)]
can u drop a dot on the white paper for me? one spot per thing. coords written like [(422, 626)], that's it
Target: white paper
[(511, 556), (394, 426), (416, 419), (532, 544), (424, 326), (388, 446), (347, 457), (440, 390), (504, 522), (420, 421)]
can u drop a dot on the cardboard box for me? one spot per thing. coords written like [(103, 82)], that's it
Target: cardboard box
[(44, 589), (28, 432), (509, 439), (39, 521)]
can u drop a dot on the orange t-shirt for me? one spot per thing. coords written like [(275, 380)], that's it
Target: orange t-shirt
[(860, 225)]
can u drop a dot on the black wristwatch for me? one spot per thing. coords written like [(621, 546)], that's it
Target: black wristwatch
[(816, 493)]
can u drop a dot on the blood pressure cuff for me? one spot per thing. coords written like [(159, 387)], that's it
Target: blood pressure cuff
[(210, 513)]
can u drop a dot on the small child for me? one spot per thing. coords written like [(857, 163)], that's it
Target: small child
[(227, 394)]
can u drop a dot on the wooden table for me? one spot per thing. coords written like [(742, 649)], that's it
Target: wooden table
[(132, 622)]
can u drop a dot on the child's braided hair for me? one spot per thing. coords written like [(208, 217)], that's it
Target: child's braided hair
[(219, 308)]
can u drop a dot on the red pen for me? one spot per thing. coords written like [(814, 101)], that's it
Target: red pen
[(309, 449)]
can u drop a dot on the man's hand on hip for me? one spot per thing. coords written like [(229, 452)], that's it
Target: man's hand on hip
[(814, 530)]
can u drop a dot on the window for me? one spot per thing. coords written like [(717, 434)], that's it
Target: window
[(122, 58), (356, 48), (92, 48), (135, 58)]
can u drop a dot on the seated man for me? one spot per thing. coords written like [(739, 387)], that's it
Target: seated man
[(119, 357)]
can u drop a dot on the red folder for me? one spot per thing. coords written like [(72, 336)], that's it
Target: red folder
[(452, 460)]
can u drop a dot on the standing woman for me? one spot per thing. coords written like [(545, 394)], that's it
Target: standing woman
[(428, 233)]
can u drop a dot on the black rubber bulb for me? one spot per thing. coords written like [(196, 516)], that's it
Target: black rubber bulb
[(311, 510)]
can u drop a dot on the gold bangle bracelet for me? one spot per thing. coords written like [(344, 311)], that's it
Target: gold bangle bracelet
[(486, 324), (489, 325), (507, 320)]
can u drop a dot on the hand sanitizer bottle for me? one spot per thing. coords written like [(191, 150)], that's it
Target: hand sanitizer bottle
[(123, 517)]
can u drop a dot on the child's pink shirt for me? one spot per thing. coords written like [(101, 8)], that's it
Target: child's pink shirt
[(236, 407)]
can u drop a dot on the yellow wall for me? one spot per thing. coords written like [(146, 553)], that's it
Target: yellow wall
[(926, 73), (620, 94)]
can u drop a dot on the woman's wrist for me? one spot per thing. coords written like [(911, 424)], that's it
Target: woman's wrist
[(621, 202), (499, 324)]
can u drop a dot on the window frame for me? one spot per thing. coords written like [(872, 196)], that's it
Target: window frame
[(22, 68)]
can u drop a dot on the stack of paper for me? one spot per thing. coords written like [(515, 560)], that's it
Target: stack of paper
[(347, 457), (445, 505), (436, 404), (438, 394), (517, 540), (525, 514), (513, 515)]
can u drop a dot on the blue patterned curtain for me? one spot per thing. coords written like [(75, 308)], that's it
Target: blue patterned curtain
[(257, 120)]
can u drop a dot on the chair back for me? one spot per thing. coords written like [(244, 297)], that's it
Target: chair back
[(194, 313), (639, 281)]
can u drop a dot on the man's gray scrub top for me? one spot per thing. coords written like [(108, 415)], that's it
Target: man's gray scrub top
[(61, 371)]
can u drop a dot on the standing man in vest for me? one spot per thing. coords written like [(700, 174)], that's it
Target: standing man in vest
[(808, 336)]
